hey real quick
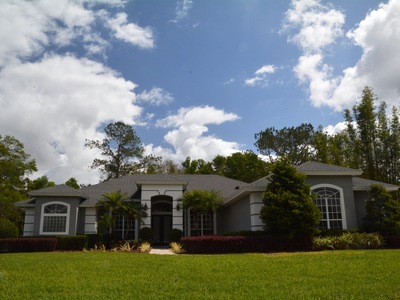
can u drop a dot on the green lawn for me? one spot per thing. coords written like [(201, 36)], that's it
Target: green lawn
[(372, 274)]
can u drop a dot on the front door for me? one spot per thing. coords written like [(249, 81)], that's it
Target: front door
[(162, 225), (161, 219)]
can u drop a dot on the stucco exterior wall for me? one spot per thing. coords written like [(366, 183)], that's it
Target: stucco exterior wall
[(235, 217), (360, 200), (173, 190), (346, 183), (73, 212), (29, 221)]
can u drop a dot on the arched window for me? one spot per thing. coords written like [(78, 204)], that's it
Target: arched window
[(329, 200), (55, 218)]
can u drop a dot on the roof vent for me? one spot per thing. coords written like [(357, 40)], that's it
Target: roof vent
[(237, 187)]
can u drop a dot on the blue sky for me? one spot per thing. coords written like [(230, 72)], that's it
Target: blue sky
[(194, 77)]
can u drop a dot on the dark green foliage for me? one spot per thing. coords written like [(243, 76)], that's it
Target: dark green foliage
[(98, 239), (349, 240), (383, 212), (146, 234), (8, 229), (203, 200), (71, 242), (39, 183), (72, 182), (15, 166), (244, 166), (175, 235), (288, 207), (27, 245), (118, 149), (215, 244), (291, 142)]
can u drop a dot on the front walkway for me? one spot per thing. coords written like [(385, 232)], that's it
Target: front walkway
[(161, 251)]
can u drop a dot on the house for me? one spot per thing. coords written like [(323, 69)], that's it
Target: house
[(61, 210)]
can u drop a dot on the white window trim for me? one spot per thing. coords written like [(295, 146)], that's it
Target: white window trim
[(42, 215), (342, 206)]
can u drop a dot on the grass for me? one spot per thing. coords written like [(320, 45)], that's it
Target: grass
[(371, 274)]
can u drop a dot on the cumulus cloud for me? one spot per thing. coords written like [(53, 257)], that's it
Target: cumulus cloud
[(156, 96), (313, 27), (182, 10), (188, 136), (130, 32), (53, 105), (260, 76)]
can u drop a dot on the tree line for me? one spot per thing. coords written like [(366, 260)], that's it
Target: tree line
[(370, 142)]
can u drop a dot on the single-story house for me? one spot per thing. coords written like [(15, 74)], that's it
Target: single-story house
[(61, 210)]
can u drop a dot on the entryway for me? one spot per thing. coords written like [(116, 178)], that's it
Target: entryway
[(161, 219)]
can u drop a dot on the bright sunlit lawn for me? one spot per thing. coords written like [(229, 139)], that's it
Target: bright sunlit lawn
[(372, 274)]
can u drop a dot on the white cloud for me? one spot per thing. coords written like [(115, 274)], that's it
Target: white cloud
[(378, 35), (156, 96), (188, 135), (182, 10), (261, 76), (130, 32), (55, 104)]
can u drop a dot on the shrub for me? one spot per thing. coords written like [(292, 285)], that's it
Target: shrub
[(175, 235), (71, 242), (176, 247), (246, 233), (95, 240), (245, 244), (393, 241), (144, 247), (146, 234), (8, 229), (125, 247), (27, 245), (348, 240)]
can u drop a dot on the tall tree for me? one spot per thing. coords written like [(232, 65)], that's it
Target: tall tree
[(39, 183), (295, 143), (288, 207), (245, 166), (15, 166), (72, 182), (119, 149), (383, 212), (197, 166)]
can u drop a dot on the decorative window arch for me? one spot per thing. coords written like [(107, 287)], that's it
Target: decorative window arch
[(330, 201), (55, 218)]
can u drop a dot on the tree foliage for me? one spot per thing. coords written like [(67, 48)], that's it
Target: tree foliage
[(119, 149), (294, 143), (288, 207), (112, 203), (383, 212), (15, 166), (39, 183), (203, 200), (72, 182)]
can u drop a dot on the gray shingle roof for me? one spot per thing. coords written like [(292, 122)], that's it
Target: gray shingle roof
[(57, 190), (361, 184), (130, 184), (317, 168)]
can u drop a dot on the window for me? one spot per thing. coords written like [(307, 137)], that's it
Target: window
[(329, 200), (201, 223), (124, 226), (55, 218)]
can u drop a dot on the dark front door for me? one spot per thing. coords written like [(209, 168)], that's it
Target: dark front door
[(161, 225)]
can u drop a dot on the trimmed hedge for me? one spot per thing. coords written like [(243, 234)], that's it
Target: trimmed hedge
[(349, 240), (71, 242), (393, 241), (175, 235), (27, 245), (245, 244)]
